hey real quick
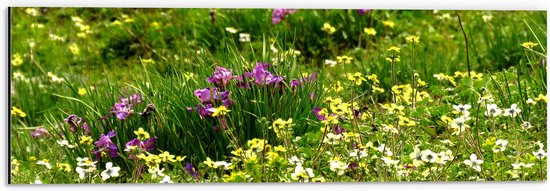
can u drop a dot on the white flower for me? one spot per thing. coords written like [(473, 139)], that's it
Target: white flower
[(244, 37), (166, 179), (273, 49), (500, 146), (82, 171), (526, 125), (388, 161), (493, 110), (65, 143), (45, 163), (37, 182), (384, 150), (540, 154), (522, 165), (429, 156), (295, 160), (443, 157), (109, 171), (474, 162), (231, 30), (330, 63), (531, 102), (332, 139), (338, 166), (512, 111), (85, 162), (459, 125), (389, 128), (462, 109), (416, 156), (300, 172), (222, 163), (487, 18), (156, 172), (361, 153)]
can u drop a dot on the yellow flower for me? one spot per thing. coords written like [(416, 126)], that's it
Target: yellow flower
[(86, 140), (356, 77), (406, 121), (344, 59), (280, 148), (529, 45), (17, 111), (541, 98), (338, 87), (394, 48), (390, 24), (180, 158), (31, 11), (459, 74), (396, 59), (32, 158), (475, 76), (64, 167), (220, 111), (155, 25), (209, 162), (421, 83), (167, 157), (74, 49), (127, 19), (413, 39), (370, 31), (16, 60), (377, 89), (142, 134), (446, 119), (373, 78), (82, 91), (328, 28)]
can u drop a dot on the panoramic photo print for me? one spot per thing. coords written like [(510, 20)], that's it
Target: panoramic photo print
[(185, 95)]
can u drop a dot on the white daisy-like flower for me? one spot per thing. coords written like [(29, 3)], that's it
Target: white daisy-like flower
[(493, 110), (231, 30), (82, 172), (332, 139), (300, 172), (45, 163), (531, 102), (361, 153), (65, 143), (526, 125), (460, 125), (474, 162), (389, 162), (37, 182), (166, 180), (330, 63), (222, 163), (244, 37), (338, 166), (416, 157), (109, 171), (462, 109), (513, 111), (85, 162), (521, 165), (384, 150), (295, 160), (156, 172), (540, 154), (428, 156), (443, 157), (500, 146)]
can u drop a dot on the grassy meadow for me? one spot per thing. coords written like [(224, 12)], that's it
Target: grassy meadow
[(123, 95)]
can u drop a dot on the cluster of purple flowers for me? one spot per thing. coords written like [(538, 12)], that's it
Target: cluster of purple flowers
[(39, 132), (260, 76), (136, 146), (222, 77), (210, 97), (104, 143), (363, 11), (125, 108), (279, 14), (74, 121)]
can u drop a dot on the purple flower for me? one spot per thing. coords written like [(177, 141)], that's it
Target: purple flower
[(363, 11), (319, 116), (221, 77), (339, 130), (279, 14), (74, 121), (105, 143), (353, 165), (135, 99), (191, 170), (205, 96), (122, 110), (262, 76), (140, 146), (39, 132)]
